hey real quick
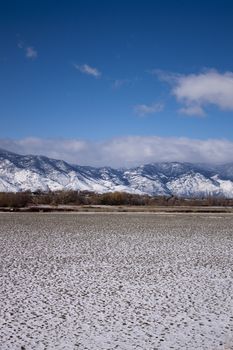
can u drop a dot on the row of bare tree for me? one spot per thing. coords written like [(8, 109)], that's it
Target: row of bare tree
[(24, 199)]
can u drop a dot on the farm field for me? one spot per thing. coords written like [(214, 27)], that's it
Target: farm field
[(124, 281)]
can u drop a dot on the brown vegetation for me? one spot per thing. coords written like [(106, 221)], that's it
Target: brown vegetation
[(25, 199)]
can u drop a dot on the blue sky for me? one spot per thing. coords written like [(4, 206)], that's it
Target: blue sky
[(99, 72)]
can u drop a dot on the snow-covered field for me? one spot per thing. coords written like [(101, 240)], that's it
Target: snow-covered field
[(116, 281)]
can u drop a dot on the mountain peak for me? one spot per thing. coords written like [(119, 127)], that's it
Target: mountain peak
[(31, 172)]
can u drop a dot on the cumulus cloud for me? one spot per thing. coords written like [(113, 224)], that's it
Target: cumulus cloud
[(143, 109), (196, 91), (125, 151), (207, 88), (31, 52), (86, 69)]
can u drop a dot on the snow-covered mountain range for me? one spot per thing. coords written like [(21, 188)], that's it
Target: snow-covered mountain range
[(29, 172)]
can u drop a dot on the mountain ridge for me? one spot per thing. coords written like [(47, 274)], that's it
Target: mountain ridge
[(184, 179)]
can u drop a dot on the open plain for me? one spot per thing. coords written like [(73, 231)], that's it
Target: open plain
[(116, 281)]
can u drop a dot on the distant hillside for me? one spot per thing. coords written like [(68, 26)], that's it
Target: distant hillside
[(20, 173)]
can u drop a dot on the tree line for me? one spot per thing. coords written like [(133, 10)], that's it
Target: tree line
[(27, 198)]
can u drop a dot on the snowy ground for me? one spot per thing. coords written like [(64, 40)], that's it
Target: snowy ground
[(116, 281)]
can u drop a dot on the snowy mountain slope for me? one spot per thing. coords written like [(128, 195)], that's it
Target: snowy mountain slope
[(19, 173)]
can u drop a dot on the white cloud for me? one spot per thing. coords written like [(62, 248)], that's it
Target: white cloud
[(144, 109), (31, 52), (126, 151), (193, 110), (118, 83), (165, 76), (196, 91), (86, 69)]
